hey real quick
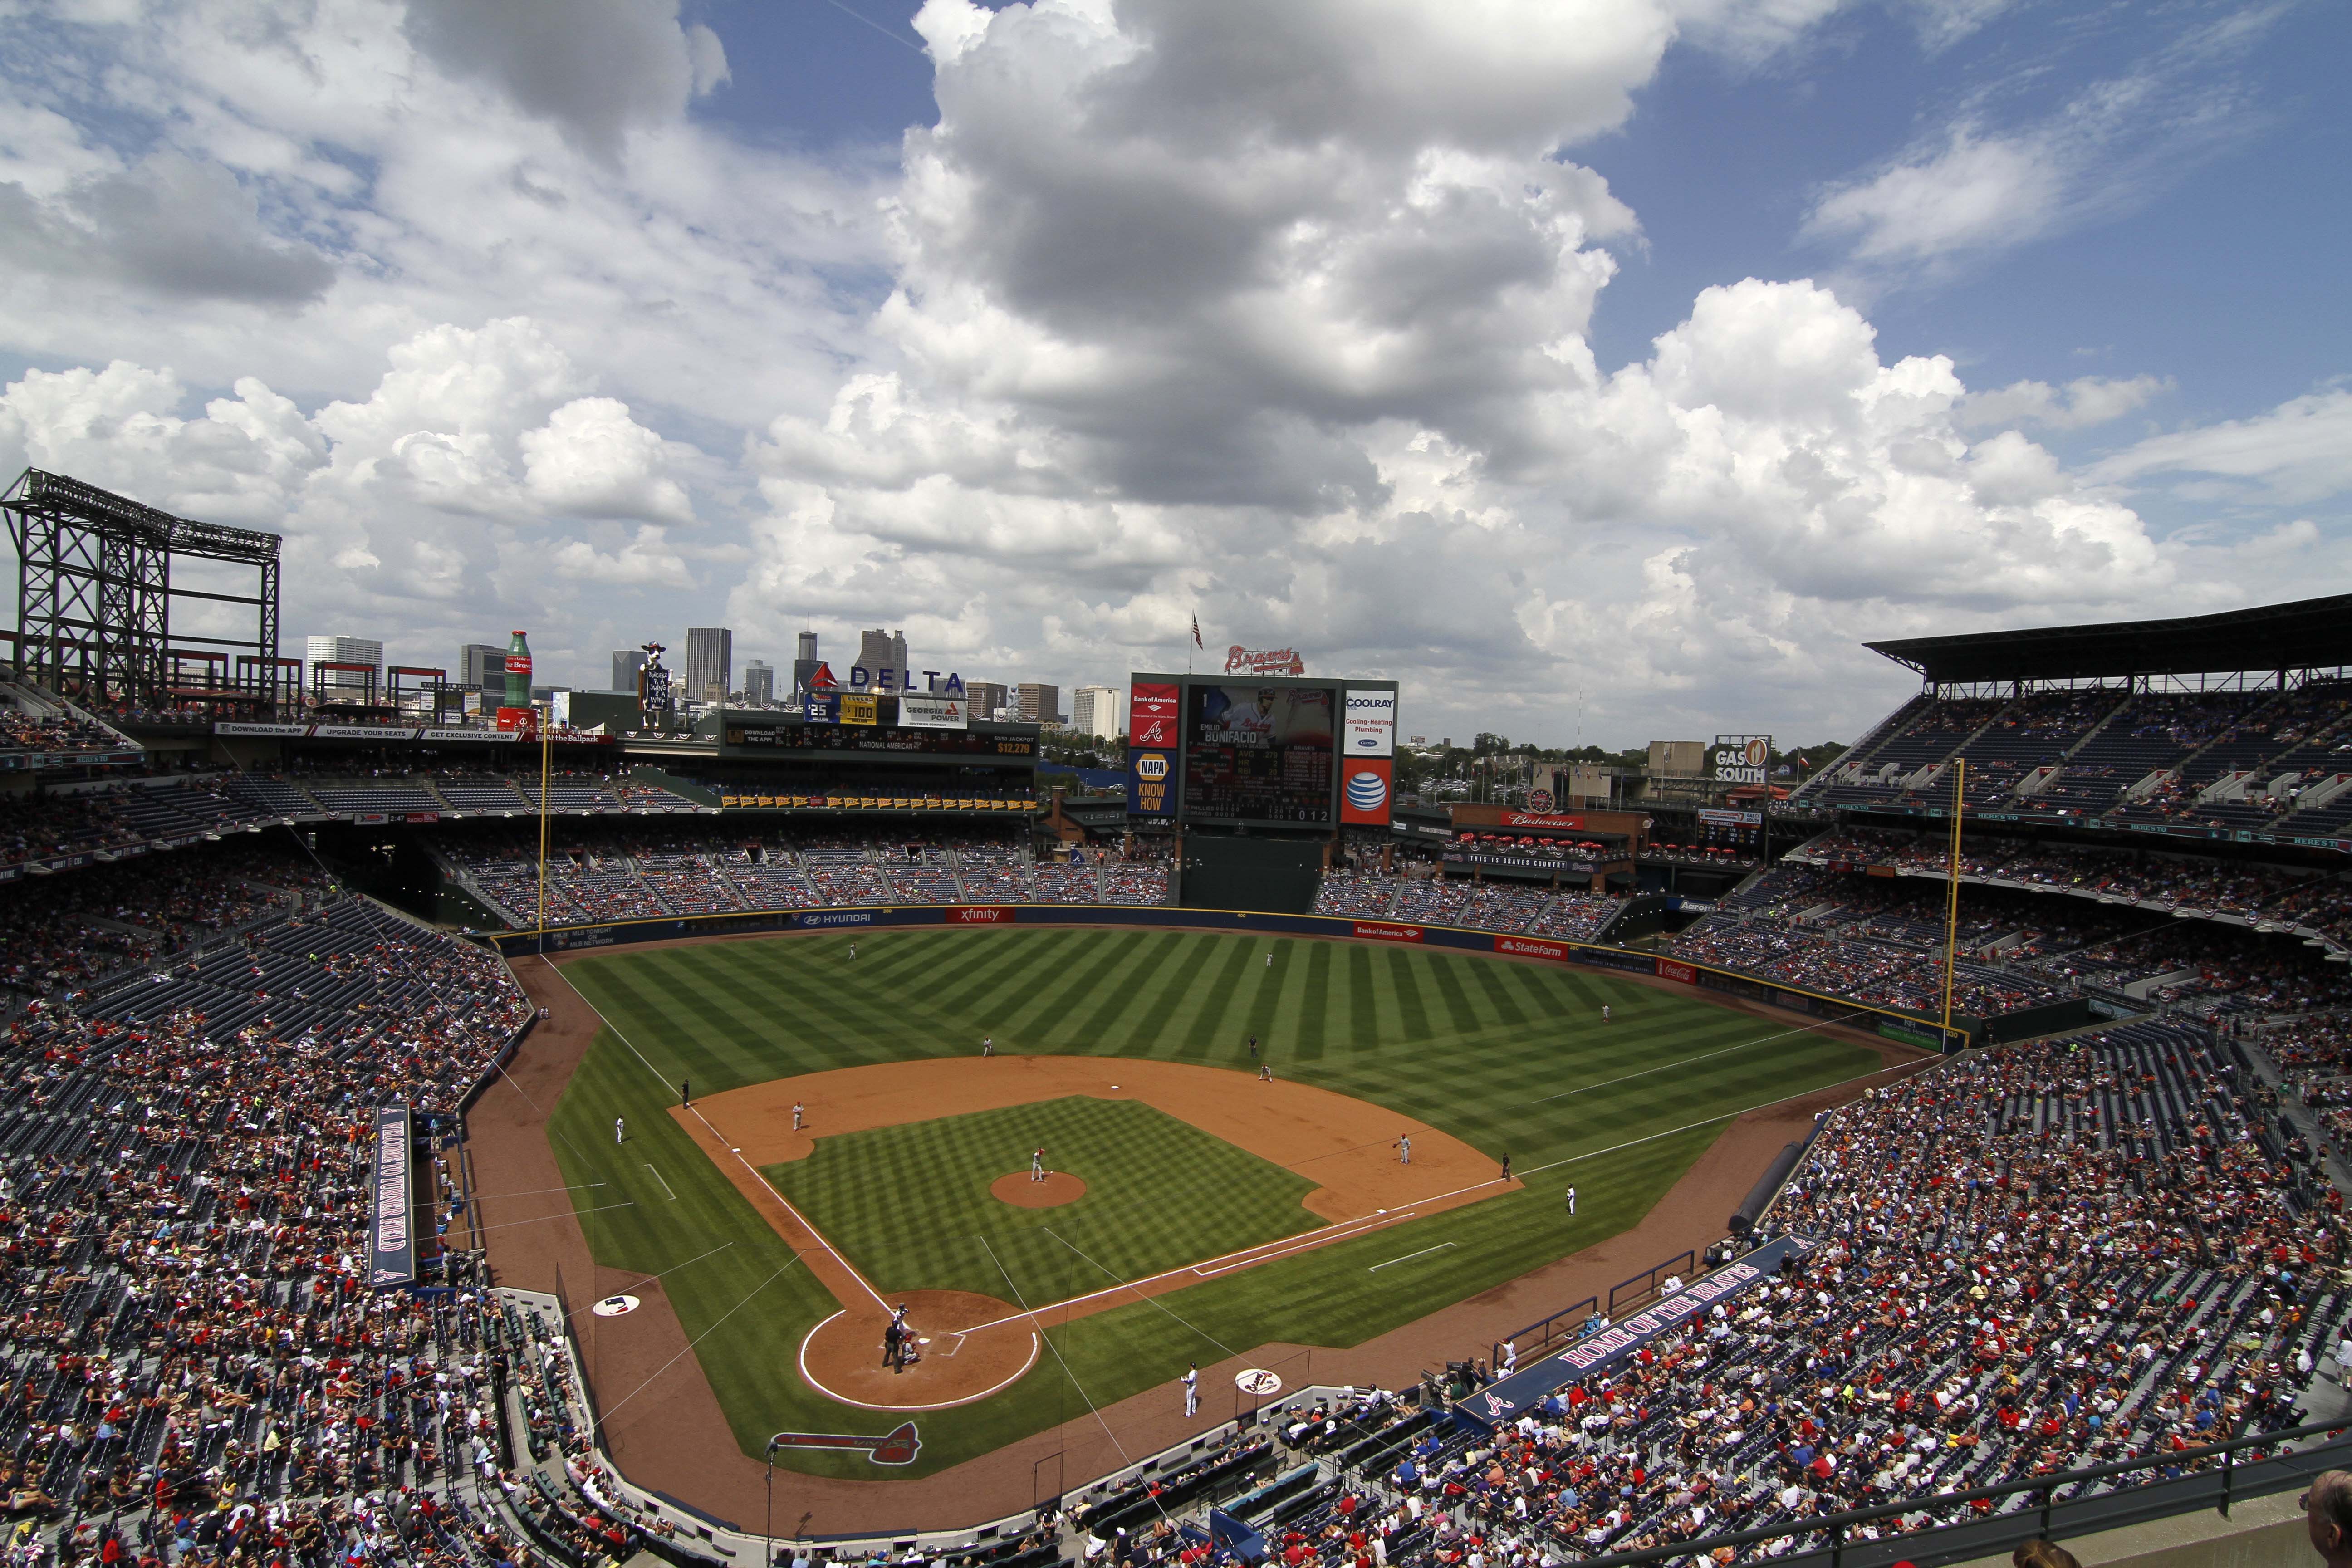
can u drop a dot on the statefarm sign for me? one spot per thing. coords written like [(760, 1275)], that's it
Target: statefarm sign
[(1239, 660)]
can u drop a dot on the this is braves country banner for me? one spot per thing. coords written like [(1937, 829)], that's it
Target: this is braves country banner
[(1507, 1400), (392, 1245)]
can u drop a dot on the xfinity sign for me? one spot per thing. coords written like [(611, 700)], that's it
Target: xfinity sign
[(1741, 759), (1369, 728)]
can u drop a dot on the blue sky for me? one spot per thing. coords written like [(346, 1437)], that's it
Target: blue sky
[(1660, 348)]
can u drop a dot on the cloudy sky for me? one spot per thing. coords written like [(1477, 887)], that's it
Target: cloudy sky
[(1657, 351)]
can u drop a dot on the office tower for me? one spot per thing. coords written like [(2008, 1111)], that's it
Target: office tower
[(626, 662), (876, 652), (986, 699), (1037, 704), (345, 650), (1094, 710), (709, 662), (760, 684), (804, 663), (481, 664)]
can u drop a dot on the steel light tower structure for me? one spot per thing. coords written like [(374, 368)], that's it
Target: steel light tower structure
[(94, 591)]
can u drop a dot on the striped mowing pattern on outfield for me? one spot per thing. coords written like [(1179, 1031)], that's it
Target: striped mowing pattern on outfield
[(909, 1204), (1511, 1058)]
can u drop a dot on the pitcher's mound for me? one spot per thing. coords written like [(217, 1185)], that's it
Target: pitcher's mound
[(1059, 1188), (968, 1346)]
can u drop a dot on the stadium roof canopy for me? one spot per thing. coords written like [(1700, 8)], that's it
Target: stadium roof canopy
[(2309, 634)]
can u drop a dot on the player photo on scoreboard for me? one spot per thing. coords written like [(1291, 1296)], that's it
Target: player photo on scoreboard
[(1262, 715)]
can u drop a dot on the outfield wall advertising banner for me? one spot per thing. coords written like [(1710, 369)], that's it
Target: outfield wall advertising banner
[(1148, 775), (1154, 714), (1365, 790), (981, 915), (392, 1243), (1669, 970), (1374, 931), (1532, 947), (1371, 724)]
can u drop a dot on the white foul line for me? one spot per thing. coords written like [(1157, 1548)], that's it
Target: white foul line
[(798, 1218), (658, 1177), (1409, 1256)]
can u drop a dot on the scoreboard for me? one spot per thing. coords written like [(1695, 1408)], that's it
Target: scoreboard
[(1230, 751)]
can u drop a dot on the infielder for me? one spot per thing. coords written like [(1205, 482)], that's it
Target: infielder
[(1405, 1150), (1265, 1072), (797, 1115), (987, 1046), (1191, 1380), (1572, 1200), (1037, 1163)]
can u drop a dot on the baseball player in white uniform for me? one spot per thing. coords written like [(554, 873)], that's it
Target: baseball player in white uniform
[(1191, 1380)]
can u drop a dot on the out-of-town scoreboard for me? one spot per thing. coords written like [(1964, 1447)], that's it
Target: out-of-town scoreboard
[(1254, 751)]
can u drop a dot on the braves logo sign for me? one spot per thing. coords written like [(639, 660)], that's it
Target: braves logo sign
[(896, 1446), (1239, 660)]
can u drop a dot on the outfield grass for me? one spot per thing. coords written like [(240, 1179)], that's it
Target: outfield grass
[(909, 1204), (1510, 1058)]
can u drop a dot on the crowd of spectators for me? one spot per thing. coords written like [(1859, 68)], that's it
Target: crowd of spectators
[(630, 872), (2030, 1260), (2318, 901), (197, 1369), (1511, 907)]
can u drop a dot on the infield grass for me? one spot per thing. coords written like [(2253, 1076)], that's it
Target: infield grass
[(1510, 1058), (909, 1204)]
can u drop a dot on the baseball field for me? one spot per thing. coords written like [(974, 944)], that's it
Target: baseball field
[(1199, 1211)]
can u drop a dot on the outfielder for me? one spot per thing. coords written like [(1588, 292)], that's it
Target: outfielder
[(1572, 1200), (620, 1129), (1191, 1380), (987, 1046)]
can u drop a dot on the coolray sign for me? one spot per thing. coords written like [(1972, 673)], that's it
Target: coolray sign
[(1364, 791), (1369, 727), (1152, 713), (1239, 660), (1375, 930), (1148, 777), (1669, 970), (919, 712), (1531, 947), (1741, 759), (834, 918), (981, 915), (392, 1243)]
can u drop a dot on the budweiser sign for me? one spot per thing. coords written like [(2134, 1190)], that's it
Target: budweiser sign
[(1239, 660)]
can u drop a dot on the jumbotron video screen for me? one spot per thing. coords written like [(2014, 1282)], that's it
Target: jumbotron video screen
[(1259, 753)]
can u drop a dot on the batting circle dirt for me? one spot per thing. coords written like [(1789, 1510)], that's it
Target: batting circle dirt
[(1023, 1192), (958, 1360)]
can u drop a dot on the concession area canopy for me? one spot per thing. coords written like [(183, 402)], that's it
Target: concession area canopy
[(2308, 634)]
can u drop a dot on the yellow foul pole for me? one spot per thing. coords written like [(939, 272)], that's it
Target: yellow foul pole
[(1952, 889)]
